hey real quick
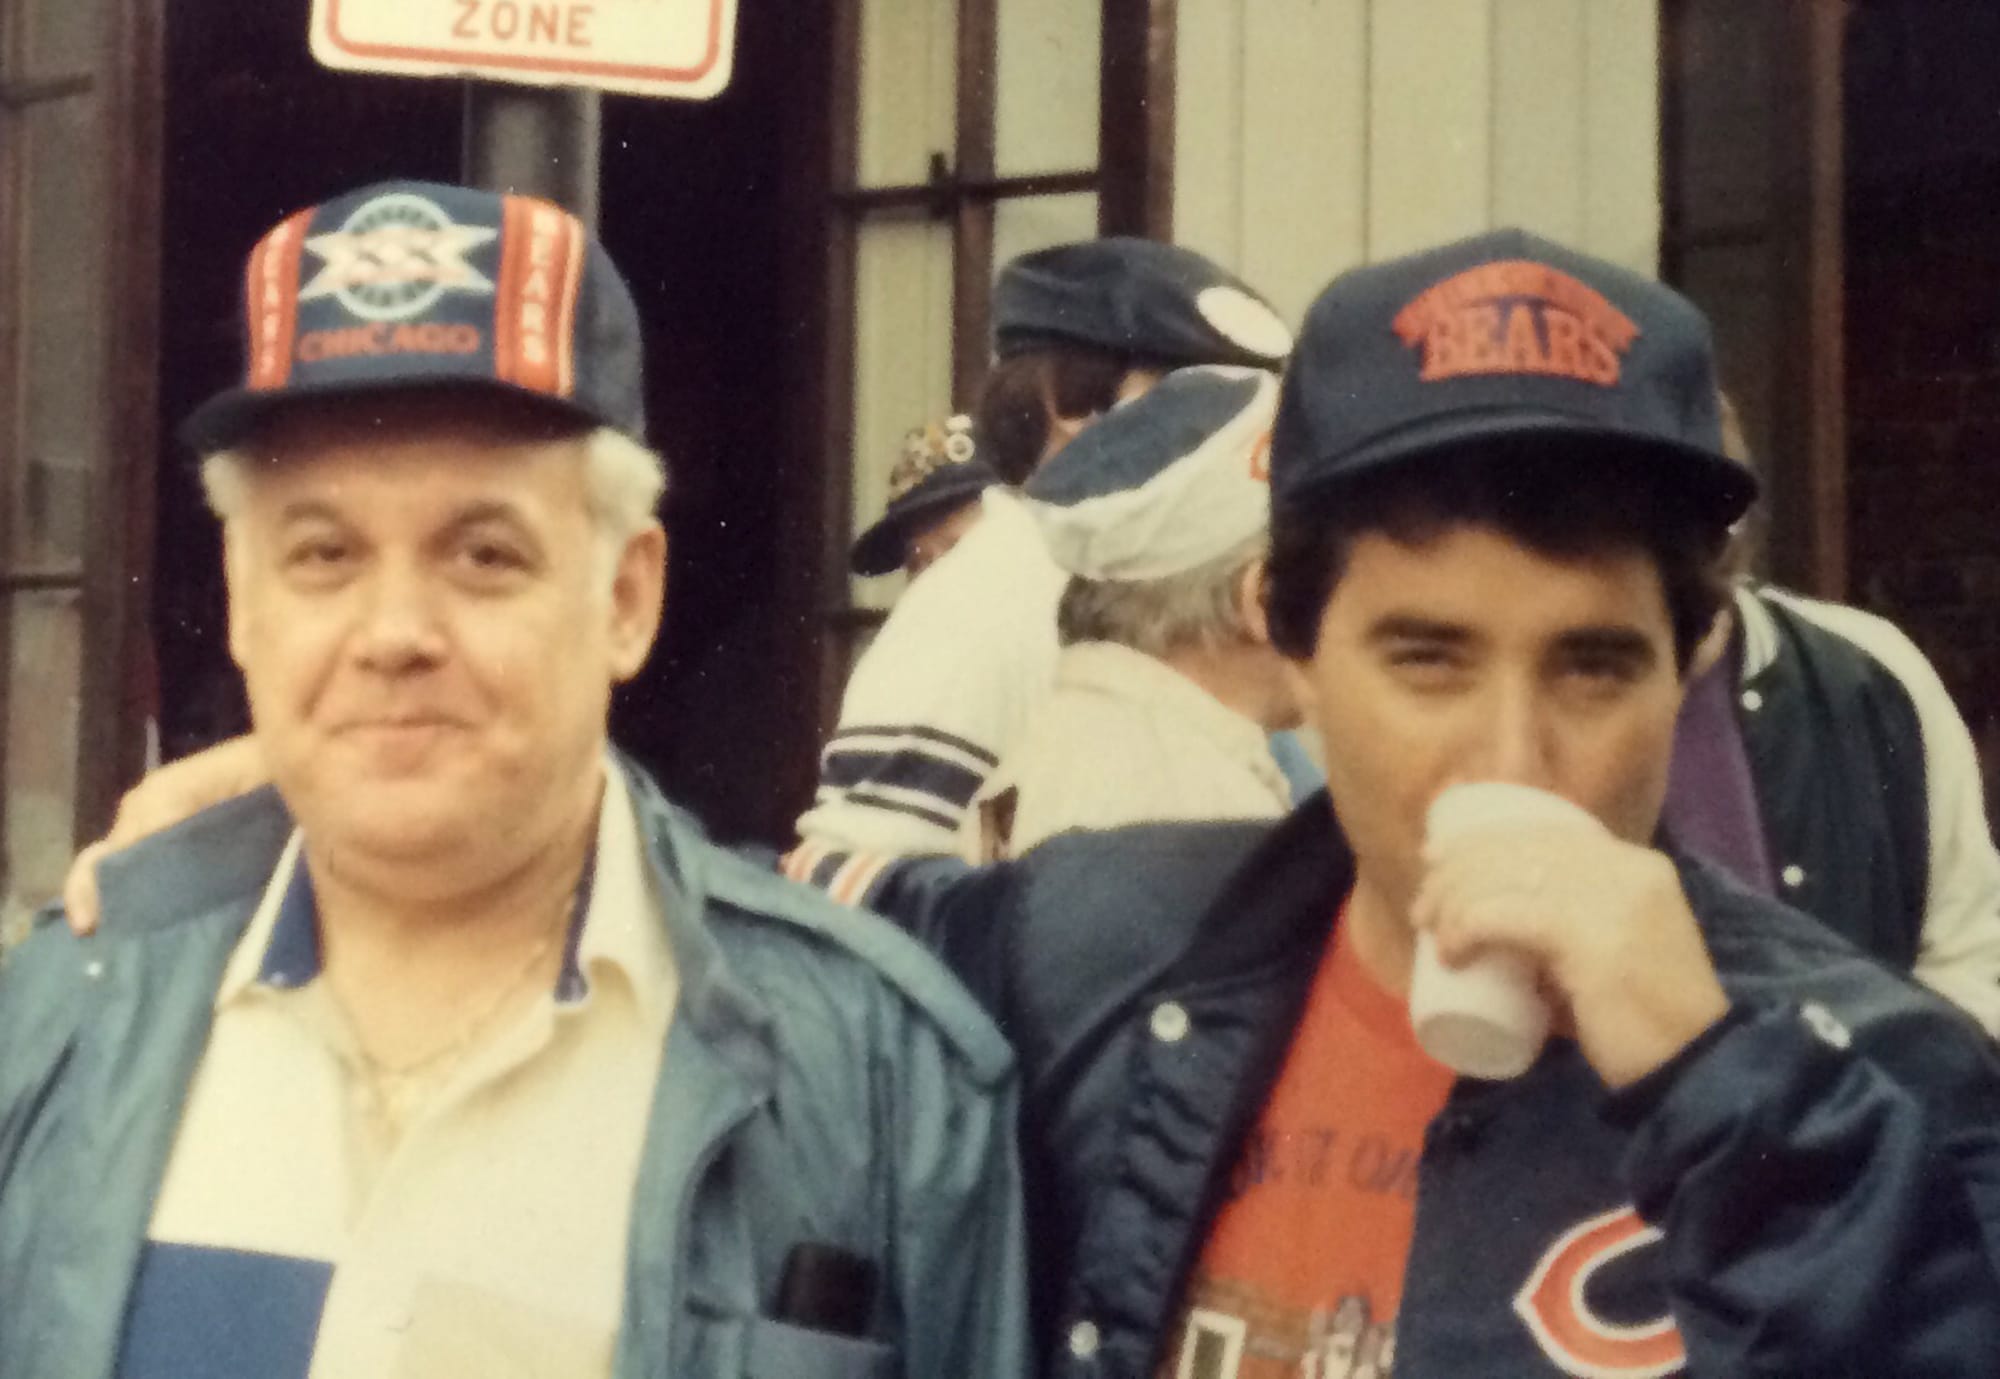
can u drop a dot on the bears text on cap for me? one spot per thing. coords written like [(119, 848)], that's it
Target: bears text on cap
[(1516, 317)]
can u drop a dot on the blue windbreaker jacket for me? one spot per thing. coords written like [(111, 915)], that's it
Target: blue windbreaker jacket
[(824, 1080)]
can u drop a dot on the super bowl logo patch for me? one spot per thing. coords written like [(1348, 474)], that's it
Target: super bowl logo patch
[(394, 257), (1516, 317)]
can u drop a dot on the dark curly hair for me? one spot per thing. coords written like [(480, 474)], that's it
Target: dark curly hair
[(1023, 393)]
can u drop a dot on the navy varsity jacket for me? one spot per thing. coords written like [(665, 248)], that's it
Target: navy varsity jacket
[(1811, 1189)]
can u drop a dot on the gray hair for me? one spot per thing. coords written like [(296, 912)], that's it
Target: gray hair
[(624, 482), (1196, 608)]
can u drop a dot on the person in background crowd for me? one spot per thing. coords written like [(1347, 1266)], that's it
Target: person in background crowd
[(942, 691), (1821, 759), (1167, 688), (463, 1051), (933, 501)]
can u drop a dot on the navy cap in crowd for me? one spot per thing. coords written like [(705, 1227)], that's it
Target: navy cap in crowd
[(1502, 335), (1135, 297), (1167, 482), (411, 285), (939, 471)]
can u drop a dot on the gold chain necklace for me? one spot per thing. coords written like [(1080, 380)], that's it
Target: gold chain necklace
[(398, 1088)]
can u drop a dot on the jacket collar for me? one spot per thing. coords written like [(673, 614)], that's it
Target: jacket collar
[(1756, 632), (713, 999), (1280, 901), (217, 865)]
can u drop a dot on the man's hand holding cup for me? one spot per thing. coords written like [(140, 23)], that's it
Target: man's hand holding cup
[(1529, 907)]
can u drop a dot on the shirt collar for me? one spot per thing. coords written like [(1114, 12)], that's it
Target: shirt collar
[(615, 927), (620, 931)]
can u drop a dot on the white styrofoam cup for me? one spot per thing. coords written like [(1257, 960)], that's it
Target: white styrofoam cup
[(1485, 1019)]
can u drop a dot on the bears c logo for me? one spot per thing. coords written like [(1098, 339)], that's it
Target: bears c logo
[(1557, 1310)]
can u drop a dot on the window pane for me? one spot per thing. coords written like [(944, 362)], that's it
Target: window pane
[(62, 35), (1027, 223), (902, 360), (909, 88), (62, 335), (1046, 99), (1721, 141), (43, 688)]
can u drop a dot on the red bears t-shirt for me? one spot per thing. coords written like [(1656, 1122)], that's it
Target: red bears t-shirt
[(1302, 1274)]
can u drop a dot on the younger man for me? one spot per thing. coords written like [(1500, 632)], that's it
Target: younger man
[(1497, 500)]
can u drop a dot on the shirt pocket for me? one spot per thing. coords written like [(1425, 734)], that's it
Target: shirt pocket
[(462, 1331), (778, 1350)]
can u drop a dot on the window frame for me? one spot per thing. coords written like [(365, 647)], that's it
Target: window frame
[(1132, 179), (111, 577), (1801, 237)]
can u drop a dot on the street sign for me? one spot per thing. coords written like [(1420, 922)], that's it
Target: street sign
[(644, 47)]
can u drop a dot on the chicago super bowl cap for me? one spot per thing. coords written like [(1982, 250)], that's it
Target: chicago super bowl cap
[(1171, 480), (1135, 296), (938, 472), (408, 285), (1502, 335)]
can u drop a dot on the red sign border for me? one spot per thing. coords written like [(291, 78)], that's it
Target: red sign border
[(460, 58)]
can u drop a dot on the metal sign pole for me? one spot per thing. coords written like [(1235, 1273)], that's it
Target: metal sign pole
[(537, 141)]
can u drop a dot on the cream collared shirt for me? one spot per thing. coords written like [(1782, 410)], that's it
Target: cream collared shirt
[(489, 1235), (1125, 739)]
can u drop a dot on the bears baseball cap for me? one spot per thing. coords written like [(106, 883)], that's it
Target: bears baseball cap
[(1171, 480), (939, 470), (1504, 335), (1135, 296), (409, 285)]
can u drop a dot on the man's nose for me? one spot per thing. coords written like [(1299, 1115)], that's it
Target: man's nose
[(400, 627), (1516, 737)]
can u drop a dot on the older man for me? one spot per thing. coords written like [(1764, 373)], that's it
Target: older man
[(1168, 688), (461, 1051)]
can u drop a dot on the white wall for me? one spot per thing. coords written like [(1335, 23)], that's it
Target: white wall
[(1314, 135)]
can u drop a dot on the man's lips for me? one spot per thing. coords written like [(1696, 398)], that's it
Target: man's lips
[(397, 723)]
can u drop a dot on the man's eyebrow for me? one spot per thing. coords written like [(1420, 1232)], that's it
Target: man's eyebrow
[(309, 510), (486, 510), (1608, 639), (1412, 627)]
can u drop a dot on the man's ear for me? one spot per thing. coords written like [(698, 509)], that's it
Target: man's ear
[(1250, 602), (1710, 648), (1301, 686), (1257, 617), (638, 596), (235, 577)]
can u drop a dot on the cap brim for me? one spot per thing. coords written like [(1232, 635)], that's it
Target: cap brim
[(881, 549), (1723, 488), (225, 419)]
